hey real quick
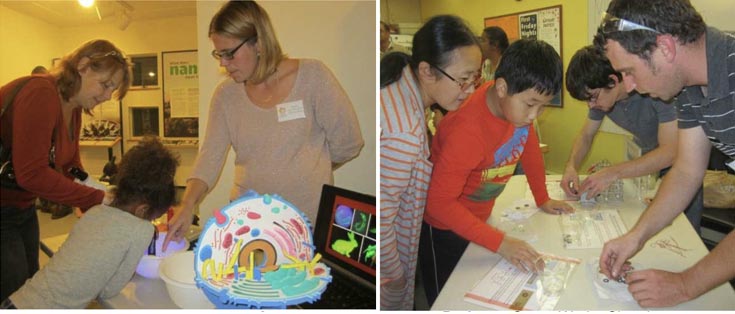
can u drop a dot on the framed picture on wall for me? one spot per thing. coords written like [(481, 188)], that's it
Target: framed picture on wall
[(180, 80), (542, 24)]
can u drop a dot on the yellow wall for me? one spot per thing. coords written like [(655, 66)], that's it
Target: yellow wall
[(26, 43), (558, 126)]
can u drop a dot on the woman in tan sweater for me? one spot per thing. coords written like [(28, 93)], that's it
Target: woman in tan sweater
[(288, 120)]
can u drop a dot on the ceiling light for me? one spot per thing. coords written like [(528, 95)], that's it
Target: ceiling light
[(86, 3)]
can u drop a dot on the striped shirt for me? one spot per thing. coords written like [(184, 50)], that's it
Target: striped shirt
[(715, 111), (404, 179)]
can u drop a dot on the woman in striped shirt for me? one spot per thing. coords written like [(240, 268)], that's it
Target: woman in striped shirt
[(443, 69)]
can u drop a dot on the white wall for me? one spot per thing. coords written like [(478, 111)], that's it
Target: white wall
[(342, 34)]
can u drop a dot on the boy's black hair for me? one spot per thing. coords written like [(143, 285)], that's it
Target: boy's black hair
[(675, 17), (432, 43), (529, 63), (589, 69), (146, 176)]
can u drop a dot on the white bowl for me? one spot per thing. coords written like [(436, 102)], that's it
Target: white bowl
[(148, 265), (177, 271)]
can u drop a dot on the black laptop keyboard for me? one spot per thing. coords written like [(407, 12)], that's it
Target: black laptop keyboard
[(342, 293)]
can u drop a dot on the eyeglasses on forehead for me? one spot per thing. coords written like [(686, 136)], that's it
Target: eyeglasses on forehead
[(611, 24), (229, 54), (116, 55)]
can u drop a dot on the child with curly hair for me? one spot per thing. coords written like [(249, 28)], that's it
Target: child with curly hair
[(100, 255)]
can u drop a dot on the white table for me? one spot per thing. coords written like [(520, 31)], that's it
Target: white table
[(580, 293), (141, 293)]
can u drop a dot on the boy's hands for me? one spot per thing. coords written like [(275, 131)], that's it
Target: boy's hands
[(555, 207), (521, 255)]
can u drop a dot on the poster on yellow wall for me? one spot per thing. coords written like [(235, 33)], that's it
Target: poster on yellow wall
[(542, 24), (180, 93)]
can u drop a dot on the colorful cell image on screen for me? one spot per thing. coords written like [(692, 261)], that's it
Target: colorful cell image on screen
[(353, 235)]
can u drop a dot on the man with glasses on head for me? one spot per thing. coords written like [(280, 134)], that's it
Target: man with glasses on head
[(591, 78), (663, 48)]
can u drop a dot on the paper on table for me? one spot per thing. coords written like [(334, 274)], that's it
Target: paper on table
[(506, 287), (591, 229), (514, 220)]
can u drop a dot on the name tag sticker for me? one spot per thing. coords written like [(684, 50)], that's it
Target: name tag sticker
[(290, 111)]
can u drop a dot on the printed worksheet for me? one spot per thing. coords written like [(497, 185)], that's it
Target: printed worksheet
[(591, 229), (505, 287)]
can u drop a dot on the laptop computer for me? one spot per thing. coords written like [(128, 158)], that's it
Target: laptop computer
[(345, 235)]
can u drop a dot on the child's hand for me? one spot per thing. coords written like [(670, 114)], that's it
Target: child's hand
[(178, 225), (521, 255), (555, 207)]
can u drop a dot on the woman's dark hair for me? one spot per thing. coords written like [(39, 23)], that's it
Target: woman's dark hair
[(432, 44), (530, 63), (589, 69), (675, 17), (496, 37), (146, 176)]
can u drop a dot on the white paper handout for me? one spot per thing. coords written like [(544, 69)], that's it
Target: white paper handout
[(506, 287), (591, 229)]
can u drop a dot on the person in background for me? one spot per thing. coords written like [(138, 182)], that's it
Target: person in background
[(288, 120), (443, 69), (475, 152), (103, 249), (386, 44), (50, 106), (493, 41), (591, 78), (39, 70), (663, 48)]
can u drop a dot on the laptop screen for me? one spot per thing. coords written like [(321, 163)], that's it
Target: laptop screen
[(345, 231)]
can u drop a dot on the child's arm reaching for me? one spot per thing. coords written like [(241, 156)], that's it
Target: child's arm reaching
[(521, 255), (533, 165)]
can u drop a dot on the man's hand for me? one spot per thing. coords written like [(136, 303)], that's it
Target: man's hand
[(616, 252), (657, 288), (597, 182), (521, 255), (555, 207), (178, 225), (570, 182)]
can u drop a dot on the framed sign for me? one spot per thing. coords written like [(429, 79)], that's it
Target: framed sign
[(542, 24), (180, 80)]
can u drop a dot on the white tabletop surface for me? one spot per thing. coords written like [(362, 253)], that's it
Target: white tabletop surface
[(141, 293), (580, 292)]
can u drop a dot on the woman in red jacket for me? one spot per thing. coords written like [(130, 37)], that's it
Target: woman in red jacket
[(42, 126)]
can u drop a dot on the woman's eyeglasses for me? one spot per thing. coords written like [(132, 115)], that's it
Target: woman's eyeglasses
[(229, 54), (463, 85), (611, 24)]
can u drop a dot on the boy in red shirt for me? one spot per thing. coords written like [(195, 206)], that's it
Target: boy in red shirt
[(475, 153)]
